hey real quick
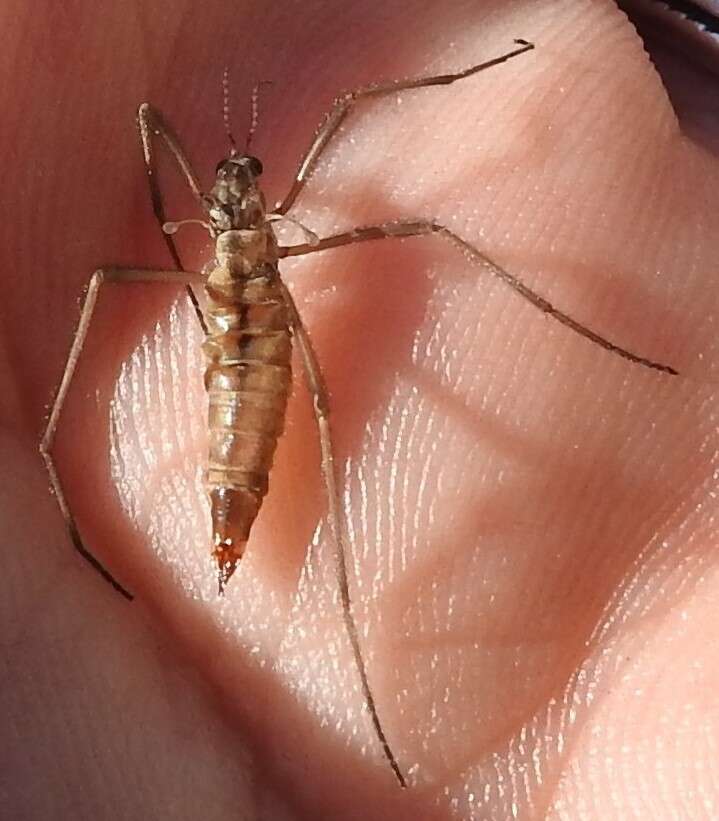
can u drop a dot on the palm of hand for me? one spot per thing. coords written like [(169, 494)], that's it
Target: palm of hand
[(532, 517)]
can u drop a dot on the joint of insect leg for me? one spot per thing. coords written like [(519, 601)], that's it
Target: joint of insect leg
[(173, 227), (321, 407)]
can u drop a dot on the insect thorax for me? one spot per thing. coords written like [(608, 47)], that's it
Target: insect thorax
[(244, 253)]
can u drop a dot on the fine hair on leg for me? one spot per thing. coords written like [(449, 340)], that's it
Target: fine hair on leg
[(151, 122), (320, 403), (413, 228), (345, 102), (99, 278)]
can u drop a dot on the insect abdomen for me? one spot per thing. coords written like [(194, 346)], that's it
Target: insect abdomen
[(248, 376)]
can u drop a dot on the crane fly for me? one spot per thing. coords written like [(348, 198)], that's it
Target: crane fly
[(250, 322)]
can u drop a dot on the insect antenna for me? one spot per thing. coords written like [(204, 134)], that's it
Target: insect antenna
[(255, 112), (226, 110)]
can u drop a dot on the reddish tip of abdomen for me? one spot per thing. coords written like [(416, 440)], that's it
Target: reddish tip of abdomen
[(228, 555), (233, 512)]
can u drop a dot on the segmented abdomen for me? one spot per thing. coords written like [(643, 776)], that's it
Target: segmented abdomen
[(248, 376)]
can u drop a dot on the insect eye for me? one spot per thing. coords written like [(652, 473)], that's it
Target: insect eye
[(255, 166), (221, 166)]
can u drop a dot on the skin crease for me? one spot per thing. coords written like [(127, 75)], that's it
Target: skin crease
[(533, 564)]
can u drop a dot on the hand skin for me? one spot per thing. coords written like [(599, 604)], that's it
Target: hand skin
[(532, 517)]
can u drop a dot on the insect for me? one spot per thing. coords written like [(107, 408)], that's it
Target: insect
[(249, 324)]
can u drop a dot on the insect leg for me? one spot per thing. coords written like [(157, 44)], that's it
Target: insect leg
[(318, 389), (150, 122), (343, 104), (98, 278), (418, 228)]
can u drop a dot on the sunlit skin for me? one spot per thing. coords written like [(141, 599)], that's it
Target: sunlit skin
[(532, 516)]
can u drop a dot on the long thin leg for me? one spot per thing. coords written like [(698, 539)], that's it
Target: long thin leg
[(343, 104), (98, 278), (418, 228), (318, 389), (151, 122)]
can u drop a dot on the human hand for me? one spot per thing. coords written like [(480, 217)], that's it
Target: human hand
[(532, 516)]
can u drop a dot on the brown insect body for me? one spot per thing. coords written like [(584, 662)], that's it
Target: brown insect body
[(248, 349), (249, 322)]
